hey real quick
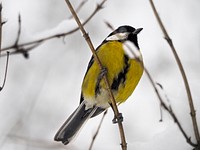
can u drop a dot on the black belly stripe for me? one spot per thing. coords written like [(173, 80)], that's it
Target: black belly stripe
[(121, 78), (97, 88)]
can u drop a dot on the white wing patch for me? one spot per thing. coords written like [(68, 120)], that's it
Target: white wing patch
[(131, 50), (118, 36)]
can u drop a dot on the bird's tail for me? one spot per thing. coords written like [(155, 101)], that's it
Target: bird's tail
[(74, 123)]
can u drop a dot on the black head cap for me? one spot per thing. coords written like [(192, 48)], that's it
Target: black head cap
[(125, 28), (132, 33)]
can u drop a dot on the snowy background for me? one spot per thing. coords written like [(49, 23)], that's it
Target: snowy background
[(42, 91)]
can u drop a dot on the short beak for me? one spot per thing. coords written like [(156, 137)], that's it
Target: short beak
[(137, 31)]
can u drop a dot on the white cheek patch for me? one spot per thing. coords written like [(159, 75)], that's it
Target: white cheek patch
[(117, 36), (131, 50)]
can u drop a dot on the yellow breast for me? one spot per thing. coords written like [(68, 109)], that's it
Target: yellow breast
[(112, 57)]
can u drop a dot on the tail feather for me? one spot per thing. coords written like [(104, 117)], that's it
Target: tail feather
[(74, 123)]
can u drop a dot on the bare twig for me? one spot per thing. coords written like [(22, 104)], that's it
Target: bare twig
[(0, 26), (79, 7), (19, 30), (97, 131), (162, 103), (6, 70), (169, 110), (24, 51), (20, 50), (190, 100), (161, 113), (0, 32), (23, 48), (114, 106), (109, 25)]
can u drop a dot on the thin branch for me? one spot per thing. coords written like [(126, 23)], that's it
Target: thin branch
[(24, 51), (20, 50), (169, 110), (79, 7), (162, 103), (109, 25), (6, 70), (88, 40), (97, 131), (190, 100), (0, 26), (161, 113), (19, 30), (40, 41)]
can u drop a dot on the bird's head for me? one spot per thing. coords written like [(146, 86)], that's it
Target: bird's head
[(124, 33)]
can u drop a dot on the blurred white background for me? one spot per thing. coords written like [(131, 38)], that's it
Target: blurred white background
[(42, 91)]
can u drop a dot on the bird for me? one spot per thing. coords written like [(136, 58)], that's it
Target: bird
[(122, 63)]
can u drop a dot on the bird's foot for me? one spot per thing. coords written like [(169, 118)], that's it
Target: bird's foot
[(118, 118)]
